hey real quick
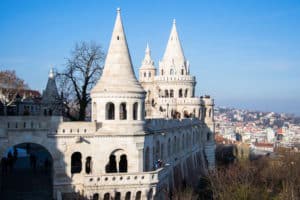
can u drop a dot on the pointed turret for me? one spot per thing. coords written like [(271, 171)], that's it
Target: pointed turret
[(174, 53), (118, 97), (147, 70), (118, 74), (147, 63), (51, 101)]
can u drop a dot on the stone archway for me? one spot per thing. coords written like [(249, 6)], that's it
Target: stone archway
[(27, 172)]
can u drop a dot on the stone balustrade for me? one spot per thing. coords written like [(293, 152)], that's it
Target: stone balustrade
[(142, 178), (175, 78)]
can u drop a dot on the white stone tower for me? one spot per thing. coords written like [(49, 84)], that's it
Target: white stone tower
[(118, 98)]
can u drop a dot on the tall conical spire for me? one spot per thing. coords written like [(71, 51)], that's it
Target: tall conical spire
[(118, 74), (147, 62), (174, 52)]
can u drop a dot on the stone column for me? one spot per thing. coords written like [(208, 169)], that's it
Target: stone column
[(129, 108), (140, 147)]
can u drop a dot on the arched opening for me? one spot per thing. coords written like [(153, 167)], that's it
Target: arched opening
[(106, 196), (123, 111), (138, 195), (112, 165), (96, 196), (88, 165), (171, 93), (76, 164), (169, 147), (118, 196), (180, 93), (174, 144), (166, 93), (186, 92), (128, 196), (110, 111), (135, 111), (123, 163), (147, 160), (182, 71), (162, 72), (27, 168)]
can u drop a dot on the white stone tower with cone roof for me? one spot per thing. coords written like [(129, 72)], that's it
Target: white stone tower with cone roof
[(118, 97)]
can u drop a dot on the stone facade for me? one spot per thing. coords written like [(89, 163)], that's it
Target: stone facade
[(123, 153)]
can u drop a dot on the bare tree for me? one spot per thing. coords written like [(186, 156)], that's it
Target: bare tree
[(82, 72), (10, 87)]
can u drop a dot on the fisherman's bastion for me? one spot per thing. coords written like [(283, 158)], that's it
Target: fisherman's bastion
[(145, 139)]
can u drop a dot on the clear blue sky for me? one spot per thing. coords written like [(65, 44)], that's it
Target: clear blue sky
[(244, 53)]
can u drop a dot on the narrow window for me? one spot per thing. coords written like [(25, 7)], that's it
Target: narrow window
[(123, 111), (135, 111), (76, 164), (110, 111)]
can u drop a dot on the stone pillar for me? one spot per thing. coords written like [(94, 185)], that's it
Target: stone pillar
[(117, 111), (140, 147), (129, 108)]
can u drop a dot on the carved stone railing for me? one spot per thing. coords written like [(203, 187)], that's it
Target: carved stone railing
[(142, 178)]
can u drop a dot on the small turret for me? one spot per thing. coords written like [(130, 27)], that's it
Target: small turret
[(147, 70)]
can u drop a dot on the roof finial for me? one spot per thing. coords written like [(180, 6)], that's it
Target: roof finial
[(174, 21), (51, 73), (118, 10), (147, 48)]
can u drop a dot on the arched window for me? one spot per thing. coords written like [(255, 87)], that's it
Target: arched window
[(166, 93), (150, 194), (186, 92), (123, 111), (123, 163), (162, 72), (88, 165), (135, 111), (171, 93), (112, 165), (157, 153), (128, 196), (147, 160), (138, 195), (180, 93), (96, 196), (182, 71), (106, 196), (174, 144), (169, 147), (149, 74), (76, 164), (117, 196), (145, 74), (110, 111)]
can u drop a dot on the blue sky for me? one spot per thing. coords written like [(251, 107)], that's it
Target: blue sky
[(244, 53)]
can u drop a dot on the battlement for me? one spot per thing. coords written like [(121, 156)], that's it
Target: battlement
[(29, 122)]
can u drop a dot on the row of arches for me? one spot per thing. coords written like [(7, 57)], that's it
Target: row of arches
[(118, 195), (169, 93), (123, 111), (172, 146), (173, 72), (113, 166)]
